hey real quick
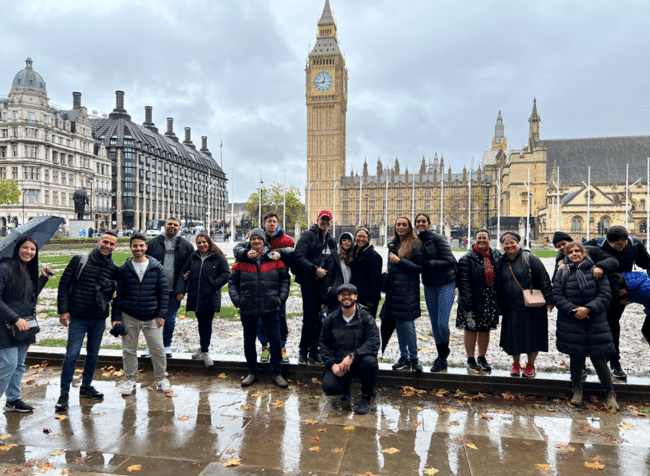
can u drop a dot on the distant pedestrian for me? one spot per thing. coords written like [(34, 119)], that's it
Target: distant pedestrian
[(141, 305), (85, 291), (203, 275), (171, 250), (20, 285)]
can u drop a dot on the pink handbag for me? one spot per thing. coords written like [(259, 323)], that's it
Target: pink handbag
[(532, 297)]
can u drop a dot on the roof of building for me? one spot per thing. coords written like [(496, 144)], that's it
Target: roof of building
[(329, 45), (607, 157), (28, 78), (121, 128), (401, 178)]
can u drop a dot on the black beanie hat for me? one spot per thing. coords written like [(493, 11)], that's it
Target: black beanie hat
[(560, 236)]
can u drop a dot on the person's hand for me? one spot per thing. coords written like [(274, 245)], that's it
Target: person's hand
[(320, 272), (64, 319), (252, 254), (581, 312), (345, 363), (393, 258), (337, 369), (22, 325), (276, 255), (46, 271), (549, 307), (180, 296), (160, 321), (562, 266), (598, 272), (186, 275), (114, 322), (114, 294)]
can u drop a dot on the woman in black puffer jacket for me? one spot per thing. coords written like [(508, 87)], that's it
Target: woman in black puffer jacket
[(338, 267), (582, 328), (259, 287), (366, 271), (439, 279), (202, 276), (402, 302), (20, 285)]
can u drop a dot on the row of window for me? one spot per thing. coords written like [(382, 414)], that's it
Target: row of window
[(31, 116), (399, 192)]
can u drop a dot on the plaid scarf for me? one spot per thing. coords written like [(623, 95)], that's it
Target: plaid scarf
[(579, 271), (487, 265)]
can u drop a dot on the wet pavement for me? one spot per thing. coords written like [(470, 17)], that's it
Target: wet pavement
[(209, 420)]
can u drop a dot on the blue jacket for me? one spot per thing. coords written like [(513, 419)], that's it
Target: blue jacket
[(638, 288), (143, 300)]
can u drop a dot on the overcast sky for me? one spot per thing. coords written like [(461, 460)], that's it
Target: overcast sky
[(425, 76)]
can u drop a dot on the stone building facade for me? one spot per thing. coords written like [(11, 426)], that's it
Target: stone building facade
[(50, 152)]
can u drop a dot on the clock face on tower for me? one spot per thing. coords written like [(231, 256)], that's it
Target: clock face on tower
[(323, 81)]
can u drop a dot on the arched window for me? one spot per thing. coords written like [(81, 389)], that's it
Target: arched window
[(576, 224)]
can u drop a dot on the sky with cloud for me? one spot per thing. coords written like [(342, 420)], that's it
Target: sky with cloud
[(425, 76)]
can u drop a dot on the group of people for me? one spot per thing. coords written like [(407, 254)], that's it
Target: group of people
[(341, 283)]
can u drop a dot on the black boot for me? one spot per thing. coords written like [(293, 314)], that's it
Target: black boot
[(472, 365), (415, 365), (440, 363)]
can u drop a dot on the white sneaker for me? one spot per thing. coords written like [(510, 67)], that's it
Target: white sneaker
[(197, 355), (128, 387), (207, 360), (164, 385), (168, 351), (146, 354)]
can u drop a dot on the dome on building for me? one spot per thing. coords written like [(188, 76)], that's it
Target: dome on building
[(28, 78)]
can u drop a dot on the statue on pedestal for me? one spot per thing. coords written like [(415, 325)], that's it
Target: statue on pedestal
[(80, 199)]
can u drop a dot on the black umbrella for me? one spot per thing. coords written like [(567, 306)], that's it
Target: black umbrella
[(41, 229), (387, 328)]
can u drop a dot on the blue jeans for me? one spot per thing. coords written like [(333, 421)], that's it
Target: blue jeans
[(407, 339), (12, 368), (77, 330), (170, 320), (439, 302), (272, 324)]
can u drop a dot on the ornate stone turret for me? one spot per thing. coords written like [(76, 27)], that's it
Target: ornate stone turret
[(396, 166), (533, 132), (365, 170), (423, 167), (380, 168), (500, 141)]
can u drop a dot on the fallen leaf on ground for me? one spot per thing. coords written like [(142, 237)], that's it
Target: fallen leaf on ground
[(60, 417), (323, 430), (165, 429), (543, 467), (315, 381), (598, 466), (317, 439), (310, 422), (65, 471), (441, 393), (171, 394), (508, 397), (314, 448), (338, 449), (245, 407), (262, 393), (277, 403), (417, 408), (527, 443), (486, 416), (626, 426), (134, 467), (417, 422), (31, 381), (348, 428), (472, 445), (597, 459), (82, 460), (4, 437), (45, 468), (565, 447), (232, 462), (430, 471), (222, 375), (183, 418), (390, 451), (57, 453), (7, 447)]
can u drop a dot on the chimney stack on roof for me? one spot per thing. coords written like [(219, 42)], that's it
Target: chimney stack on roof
[(119, 112), (188, 138), (76, 100), (148, 119), (204, 146), (170, 129)]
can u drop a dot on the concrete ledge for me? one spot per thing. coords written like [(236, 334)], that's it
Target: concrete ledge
[(499, 381)]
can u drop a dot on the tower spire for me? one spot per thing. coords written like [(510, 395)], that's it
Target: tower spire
[(533, 133), (500, 140), (326, 24)]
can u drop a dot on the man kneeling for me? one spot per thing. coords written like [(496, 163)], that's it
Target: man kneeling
[(349, 343)]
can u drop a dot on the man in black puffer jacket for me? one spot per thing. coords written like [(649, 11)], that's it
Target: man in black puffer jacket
[(259, 287), (85, 289), (312, 249), (141, 305), (628, 251)]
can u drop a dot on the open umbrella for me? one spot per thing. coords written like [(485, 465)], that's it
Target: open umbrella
[(41, 229)]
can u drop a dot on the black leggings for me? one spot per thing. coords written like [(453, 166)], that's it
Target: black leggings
[(576, 364), (205, 329)]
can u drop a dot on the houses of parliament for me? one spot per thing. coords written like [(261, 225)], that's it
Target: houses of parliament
[(599, 182)]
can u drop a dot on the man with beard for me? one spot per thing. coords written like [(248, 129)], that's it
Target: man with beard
[(85, 289), (349, 344), (312, 250)]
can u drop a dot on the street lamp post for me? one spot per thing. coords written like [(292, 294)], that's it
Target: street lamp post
[(487, 208), (92, 217), (261, 183), (367, 209)]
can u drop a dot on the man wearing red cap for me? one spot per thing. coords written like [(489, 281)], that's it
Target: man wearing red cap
[(312, 249)]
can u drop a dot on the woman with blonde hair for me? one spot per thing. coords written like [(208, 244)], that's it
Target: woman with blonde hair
[(402, 302)]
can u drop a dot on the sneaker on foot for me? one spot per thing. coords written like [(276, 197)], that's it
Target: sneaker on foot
[(515, 370), (364, 406), (168, 351), (164, 386), (266, 354), (485, 367), (128, 387), (302, 358), (285, 357), (315, 357), (618, 372), (529, 371), (402, 364), (576, 399), (197, 355), (146, 354), (207, 360), (415, 365), (90, 392), (62, 403), (17, 406)]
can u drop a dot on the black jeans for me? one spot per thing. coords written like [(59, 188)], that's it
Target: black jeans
[(204, 320), (366, 369), (311, 324), (576, 364), (614, 312), (272, 324)]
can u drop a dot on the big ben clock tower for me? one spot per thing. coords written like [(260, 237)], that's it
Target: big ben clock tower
[(326, 94)]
